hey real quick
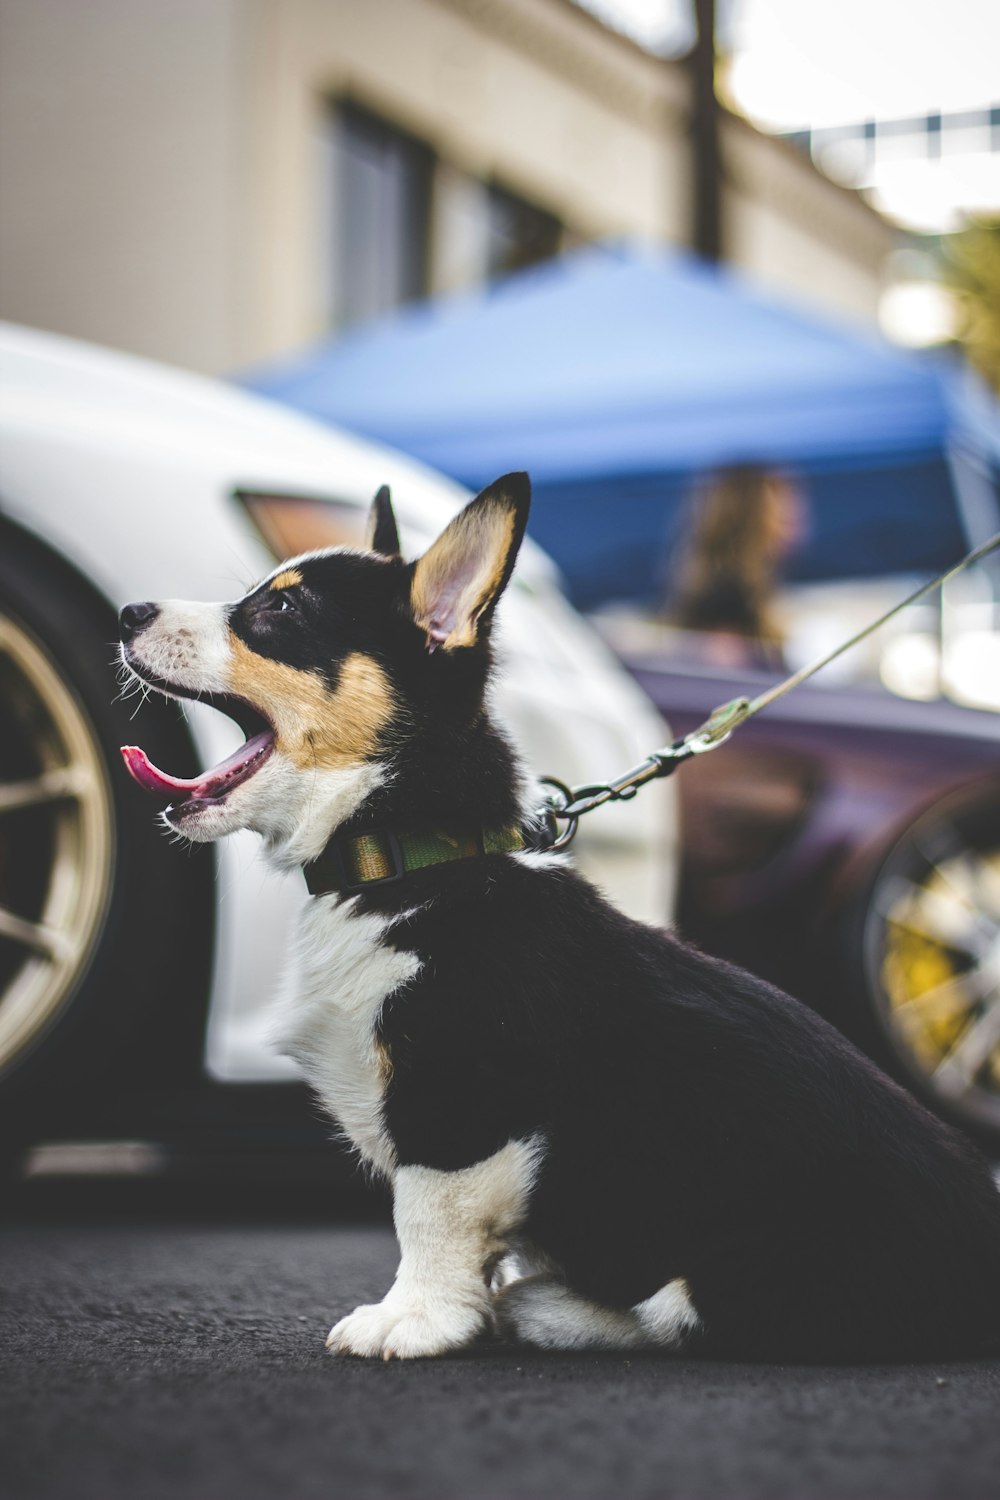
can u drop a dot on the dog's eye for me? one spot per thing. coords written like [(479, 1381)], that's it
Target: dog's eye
[(281, 603)]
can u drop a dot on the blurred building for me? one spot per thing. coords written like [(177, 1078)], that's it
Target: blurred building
[(215, 182)]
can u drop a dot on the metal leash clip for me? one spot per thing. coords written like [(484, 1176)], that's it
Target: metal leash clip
[(552, 813), (716, 730)]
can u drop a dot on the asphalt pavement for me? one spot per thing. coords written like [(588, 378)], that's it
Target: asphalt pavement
[(143, 1360)]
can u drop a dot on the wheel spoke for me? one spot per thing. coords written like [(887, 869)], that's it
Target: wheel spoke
[(47, 941), (975, 882), (52, 786), (936, 914), (957, 1071), (984, 877), (953, 996)]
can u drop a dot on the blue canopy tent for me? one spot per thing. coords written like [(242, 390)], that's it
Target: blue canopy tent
[(616, 376)]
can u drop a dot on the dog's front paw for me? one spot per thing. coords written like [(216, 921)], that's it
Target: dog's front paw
[(421, 1334), (396, 1330), (363, 1331)]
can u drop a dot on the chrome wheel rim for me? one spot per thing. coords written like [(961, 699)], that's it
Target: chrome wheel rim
[(56, 841), (934, 959)]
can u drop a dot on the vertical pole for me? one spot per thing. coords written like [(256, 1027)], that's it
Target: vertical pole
[(706, 167)]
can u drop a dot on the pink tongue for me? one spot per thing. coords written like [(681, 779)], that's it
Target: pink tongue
[(146, 774)]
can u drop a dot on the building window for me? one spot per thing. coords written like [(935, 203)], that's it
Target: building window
[(517, 233), (382, 181)]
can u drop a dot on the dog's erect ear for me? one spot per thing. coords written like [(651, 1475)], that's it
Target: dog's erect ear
[(382, 534), (457, 583)]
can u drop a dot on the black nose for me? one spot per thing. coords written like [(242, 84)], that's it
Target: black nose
[(134, 617)]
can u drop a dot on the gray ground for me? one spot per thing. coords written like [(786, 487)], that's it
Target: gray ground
[(155, 1360)]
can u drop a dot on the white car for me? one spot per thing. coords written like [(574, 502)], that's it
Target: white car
[(133, 972)]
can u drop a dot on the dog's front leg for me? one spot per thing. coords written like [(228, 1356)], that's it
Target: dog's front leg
[(452, 1227)]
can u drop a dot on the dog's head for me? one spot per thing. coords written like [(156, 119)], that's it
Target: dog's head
[(330, 666)]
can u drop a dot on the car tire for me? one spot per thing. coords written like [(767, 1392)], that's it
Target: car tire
[(929, 945), (105, 932)]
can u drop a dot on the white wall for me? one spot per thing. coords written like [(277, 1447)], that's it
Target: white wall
[(116, 181)]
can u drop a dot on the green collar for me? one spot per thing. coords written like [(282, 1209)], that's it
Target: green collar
[(356, 862)]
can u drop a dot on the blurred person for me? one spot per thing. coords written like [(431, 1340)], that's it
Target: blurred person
[(741, 528)]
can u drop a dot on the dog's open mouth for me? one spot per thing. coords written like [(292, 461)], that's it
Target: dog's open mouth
[(214, 785)]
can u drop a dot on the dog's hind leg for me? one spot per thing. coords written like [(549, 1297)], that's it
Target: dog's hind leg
[(544, 1311)]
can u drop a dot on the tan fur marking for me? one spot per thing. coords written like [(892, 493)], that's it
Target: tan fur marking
[(486, 535), (317, 726), (383, 1062), (286, 580)]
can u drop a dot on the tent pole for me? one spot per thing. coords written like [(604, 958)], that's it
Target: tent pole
[(976, 497), (706, 163), (979, 509)]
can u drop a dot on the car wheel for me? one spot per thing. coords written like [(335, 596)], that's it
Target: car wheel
[(89, 890), (931, 957)]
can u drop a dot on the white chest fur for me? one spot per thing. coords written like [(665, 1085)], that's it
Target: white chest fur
[(340, 976)]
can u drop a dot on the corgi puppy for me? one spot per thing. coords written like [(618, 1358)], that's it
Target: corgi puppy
[(596, 1136)]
